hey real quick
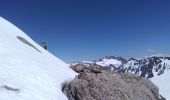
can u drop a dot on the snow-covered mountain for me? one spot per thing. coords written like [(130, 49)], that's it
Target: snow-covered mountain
[(27, 71), (108, 62), (147, 67)]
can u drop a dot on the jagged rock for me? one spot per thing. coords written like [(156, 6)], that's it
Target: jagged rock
[(110, 86)]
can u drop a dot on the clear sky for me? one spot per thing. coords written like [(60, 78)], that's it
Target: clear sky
[(90, 29)]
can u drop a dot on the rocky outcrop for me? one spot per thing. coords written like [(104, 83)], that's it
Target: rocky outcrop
[(78, 68), (110, 85)]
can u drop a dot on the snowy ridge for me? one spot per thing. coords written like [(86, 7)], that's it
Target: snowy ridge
[(25, 73), (107, 62), (147, 67)]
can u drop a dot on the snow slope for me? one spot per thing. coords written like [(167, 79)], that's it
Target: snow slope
[(28, 72), (162, 82)]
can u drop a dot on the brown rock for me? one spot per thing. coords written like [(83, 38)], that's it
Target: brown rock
[(110, 86), (78, 68), (96, 69)]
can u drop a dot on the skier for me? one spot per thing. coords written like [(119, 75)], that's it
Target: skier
[(44, 45)]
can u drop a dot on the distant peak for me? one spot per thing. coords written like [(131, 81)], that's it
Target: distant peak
[(132, 59), (110, 57)]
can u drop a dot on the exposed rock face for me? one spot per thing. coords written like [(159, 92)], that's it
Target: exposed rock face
[(110, 86)]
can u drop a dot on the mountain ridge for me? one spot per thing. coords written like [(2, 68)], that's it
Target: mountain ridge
[(147, 67)]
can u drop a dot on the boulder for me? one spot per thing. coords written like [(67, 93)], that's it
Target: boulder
[(110, 86), (96, 69), (78, 68)]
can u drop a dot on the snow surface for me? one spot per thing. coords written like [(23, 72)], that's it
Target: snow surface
[(107, 62), (89, 62), (162, 82), (35, 75)]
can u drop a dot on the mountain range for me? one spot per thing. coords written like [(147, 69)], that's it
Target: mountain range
[(147, 67)]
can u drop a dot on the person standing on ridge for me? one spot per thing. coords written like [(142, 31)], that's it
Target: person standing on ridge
[(44, 45)]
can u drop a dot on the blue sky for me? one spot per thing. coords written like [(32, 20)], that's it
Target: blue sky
[(90, 29)]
